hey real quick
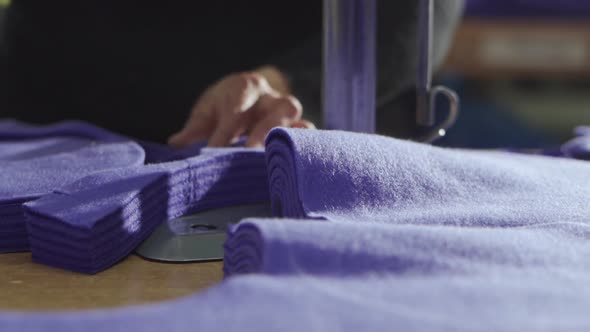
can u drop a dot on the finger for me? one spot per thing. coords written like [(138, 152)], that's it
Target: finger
[(243, 91), (279, 112), (304, 124), (198, 127), (227, 130)]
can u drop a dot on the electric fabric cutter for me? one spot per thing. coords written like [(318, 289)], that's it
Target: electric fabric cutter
[(349, 103)]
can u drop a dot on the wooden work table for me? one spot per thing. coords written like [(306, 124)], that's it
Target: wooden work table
[(25, 285)]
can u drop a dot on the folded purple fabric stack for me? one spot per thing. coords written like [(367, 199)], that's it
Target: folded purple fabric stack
[(35, 163), (92, 223), (37, 160)]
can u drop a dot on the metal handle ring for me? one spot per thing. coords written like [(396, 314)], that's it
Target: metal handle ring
[(441, 130)]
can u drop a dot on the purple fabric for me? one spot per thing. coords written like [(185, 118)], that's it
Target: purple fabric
[(527, 8), (346, 176), (15, 130), (154, 152), (504, 300), (419, 239), (92, 223), (36, 160), (578, 147)]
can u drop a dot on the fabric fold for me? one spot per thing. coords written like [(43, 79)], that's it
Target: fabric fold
[(358, 177), (341, 249), (35, 167), (94, 222)]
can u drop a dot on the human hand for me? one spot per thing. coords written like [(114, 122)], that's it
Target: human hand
[(244, 103)]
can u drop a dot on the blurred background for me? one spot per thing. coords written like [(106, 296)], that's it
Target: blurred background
[(522, 69)]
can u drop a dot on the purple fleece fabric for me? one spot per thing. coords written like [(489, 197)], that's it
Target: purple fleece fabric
[(503, 300), (16, 130), (154, 152), (578, 147), (33, 165), (92, 223), (355, 177), (419, 239), (35, 160)]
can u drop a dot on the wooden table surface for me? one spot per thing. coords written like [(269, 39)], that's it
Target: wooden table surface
[(25, 285)]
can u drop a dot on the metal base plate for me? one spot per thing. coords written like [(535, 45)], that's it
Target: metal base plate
[(197, 237)]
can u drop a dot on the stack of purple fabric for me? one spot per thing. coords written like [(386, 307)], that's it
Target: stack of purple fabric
[(37, 160), (92, 223)]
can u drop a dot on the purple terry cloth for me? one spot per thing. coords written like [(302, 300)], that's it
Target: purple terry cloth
[(92, 223), (332, 276), (356, 177), (159, 153), (528, 8), (582, 131), (420, 239), (16, 130), (154, 152), (34, 167), (578, 147)]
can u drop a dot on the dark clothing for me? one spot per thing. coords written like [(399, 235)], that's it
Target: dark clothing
[(136, 67)]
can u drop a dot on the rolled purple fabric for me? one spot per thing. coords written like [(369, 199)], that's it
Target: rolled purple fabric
[(337, 249), (342, 176), (334, 276), (92, 223)]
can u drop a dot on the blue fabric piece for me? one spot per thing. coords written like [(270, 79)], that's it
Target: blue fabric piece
[(154, 152), (85, 221), (509, 301), (16, 130), (92, 223), (35, 161), (347, 176), (578, 147)]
